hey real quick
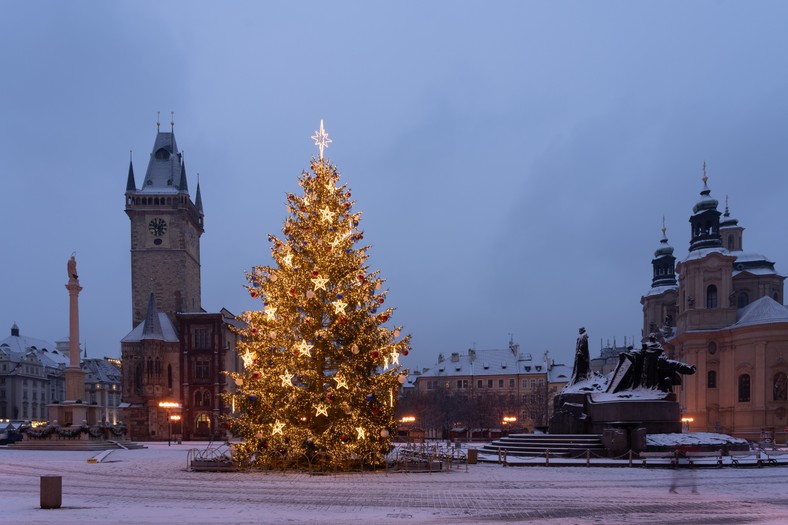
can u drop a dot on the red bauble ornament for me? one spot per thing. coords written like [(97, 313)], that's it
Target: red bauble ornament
[(315, 273), (256, 375), (254, 330), (380, 300), (253, 294), (329, 396), (375, 410), (384, 318), (292, 291), (344, 437), (404, 352), (375, 354)]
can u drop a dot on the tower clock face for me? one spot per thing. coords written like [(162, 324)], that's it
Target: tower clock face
[(157, 227)]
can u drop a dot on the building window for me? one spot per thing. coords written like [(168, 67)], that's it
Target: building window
[(711, 379), (744, 388), (201, 369), (489, 383), (730, 243), (711, 296), (511, 383), (742, 300), (169, 376), (479, 383), (202, 338), (780, 386), (500, 383)]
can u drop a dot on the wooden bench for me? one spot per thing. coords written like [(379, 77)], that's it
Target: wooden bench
[(737, 455), (693, 457), (671, 455), (771, 457)]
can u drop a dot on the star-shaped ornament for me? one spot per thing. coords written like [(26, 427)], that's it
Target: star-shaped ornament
[(270, 313), (287, 379), (288, 259), (394, 358), (361, 433), (327, 215), (320, 283), (321, 139), (341, 383), (248, 358), (321, 409), (278, 427), (339, 307), (304, 348)]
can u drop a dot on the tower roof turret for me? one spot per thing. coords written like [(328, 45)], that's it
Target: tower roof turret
[(131, 185), (705, 219), (165, 172)]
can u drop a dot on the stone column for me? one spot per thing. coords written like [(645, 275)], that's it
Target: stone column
[(75, 377)]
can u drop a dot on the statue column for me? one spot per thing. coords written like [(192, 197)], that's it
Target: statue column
[(75, 377)]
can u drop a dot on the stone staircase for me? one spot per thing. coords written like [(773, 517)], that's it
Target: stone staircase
[(559, 445), (74, 444)]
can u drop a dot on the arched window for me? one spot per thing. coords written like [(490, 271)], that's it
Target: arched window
[(711, 296), (206, 399), (162, 154), (742, 300), (730, 243), (711, 379), (169, 376), (158, 366), (780, 386), (198, 398), (744, 388), (138, 378), (150, 368)]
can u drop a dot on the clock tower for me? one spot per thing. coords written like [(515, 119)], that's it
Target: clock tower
[(166, 226)]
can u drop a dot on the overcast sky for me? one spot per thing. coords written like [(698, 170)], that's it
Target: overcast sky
[(513, 160)]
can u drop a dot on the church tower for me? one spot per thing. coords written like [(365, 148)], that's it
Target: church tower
[(705, 280), (659, 304), (165, 233)]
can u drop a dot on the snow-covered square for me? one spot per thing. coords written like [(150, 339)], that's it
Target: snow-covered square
[(153, 485)]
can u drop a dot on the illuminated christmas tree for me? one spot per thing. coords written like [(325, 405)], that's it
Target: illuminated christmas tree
[(321, 368)]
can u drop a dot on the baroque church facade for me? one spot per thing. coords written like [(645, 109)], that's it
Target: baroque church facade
[(721, 310), (175, 357)]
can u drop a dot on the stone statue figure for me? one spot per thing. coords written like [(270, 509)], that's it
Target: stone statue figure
[(648, 367), (72, 268), (582, 366)]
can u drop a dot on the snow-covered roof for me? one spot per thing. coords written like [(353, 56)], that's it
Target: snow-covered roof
[(762, 311), (15, 347), (658, 290), (559, 374), (486, 363), (100, 371), (167, 333), (703, 252)]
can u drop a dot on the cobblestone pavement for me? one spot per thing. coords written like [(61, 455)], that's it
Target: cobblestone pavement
[(155, 487)]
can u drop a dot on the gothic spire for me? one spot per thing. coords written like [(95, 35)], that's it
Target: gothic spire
[(152, 328), (131, 185), (198, 197)]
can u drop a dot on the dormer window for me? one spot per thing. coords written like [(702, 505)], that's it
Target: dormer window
[(162, 154)]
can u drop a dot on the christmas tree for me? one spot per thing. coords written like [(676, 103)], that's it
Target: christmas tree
[(321, 368)]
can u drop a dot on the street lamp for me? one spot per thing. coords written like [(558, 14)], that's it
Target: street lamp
[(169, 405), (687, 421)]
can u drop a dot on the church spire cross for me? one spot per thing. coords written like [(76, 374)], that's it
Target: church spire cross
[(321, 139), (172, 121), (664, 228), (705, 177), (158, 120)]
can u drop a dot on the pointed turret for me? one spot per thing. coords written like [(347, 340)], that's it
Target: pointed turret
[(664, 263), (198, 198), (730, 231), (184, 186), (705, 220), (152, 328), (131, 185)]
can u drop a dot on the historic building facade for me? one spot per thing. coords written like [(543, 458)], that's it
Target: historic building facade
[(176, 356), (721, 309), (484, 389)]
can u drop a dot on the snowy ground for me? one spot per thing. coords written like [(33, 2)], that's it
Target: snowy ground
[(153, 486)]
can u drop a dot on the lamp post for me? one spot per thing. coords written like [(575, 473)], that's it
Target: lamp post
[(687, 421), (169, 405)]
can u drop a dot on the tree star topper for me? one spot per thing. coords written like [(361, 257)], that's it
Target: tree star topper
[(321, 139)]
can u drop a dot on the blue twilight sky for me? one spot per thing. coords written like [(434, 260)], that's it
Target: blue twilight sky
[(513, 160)]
